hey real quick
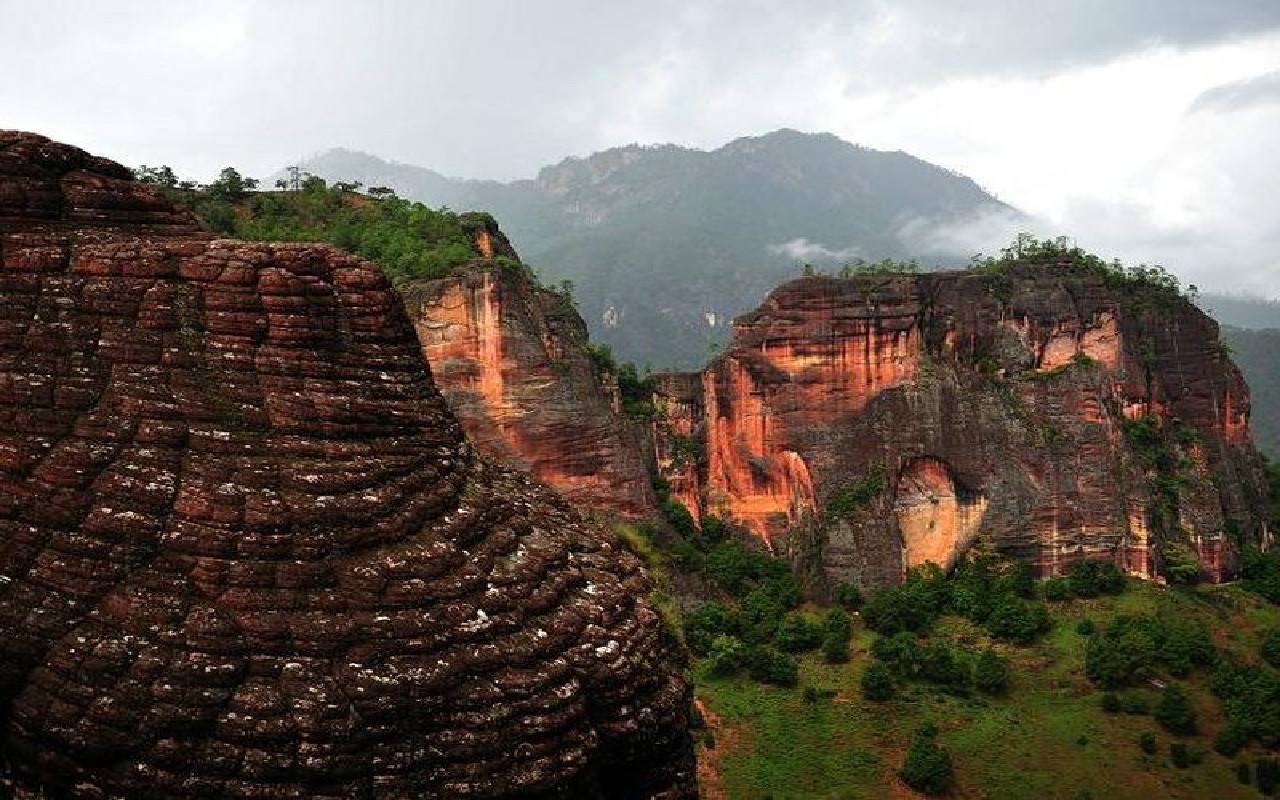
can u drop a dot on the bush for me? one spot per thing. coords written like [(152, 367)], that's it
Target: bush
[(991, 673), (1174, 711), (938, 663), (767, 665), (1092, 577), (928, 767), (726, 656), (1111, 703), (1085, 627), (1148, 743), (798, 633), (848, 595), (1178, 755), (877, 682), (1057, 589), (1017, 620), (1243, 774), (761, 615), (911, 606), (901, 652), (1261, 573), (1270, 647), (705, 623), (1181, 564), (837, 630), (1230, 740), (1131, 648)]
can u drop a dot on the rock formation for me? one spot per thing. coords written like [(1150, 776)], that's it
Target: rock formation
[(245, 550), (869, 424), (511, 359)]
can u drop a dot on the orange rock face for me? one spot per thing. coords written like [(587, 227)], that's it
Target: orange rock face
[(1015, 416), (512, 362)]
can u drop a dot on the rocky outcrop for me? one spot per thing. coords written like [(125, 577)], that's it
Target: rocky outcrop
[(869, 424), (246, 551), (511, 359)]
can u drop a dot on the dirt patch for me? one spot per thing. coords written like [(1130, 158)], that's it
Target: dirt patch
[(710, 779)]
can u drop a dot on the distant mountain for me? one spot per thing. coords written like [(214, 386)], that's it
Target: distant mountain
[(1242, 311), (666, 244), (1254, 351)]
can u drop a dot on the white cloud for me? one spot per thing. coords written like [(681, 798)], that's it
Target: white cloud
[(802, 249)]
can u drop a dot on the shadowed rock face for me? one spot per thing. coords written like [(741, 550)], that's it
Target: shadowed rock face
[(511, 360), (866, 425), (245, 550)]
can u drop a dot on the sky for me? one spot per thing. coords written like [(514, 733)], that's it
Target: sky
[(1144, 129)]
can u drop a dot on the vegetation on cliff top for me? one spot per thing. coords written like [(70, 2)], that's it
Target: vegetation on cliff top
[(409, 240)]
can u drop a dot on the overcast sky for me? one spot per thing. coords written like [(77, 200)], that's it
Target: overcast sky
[(1148, 129)]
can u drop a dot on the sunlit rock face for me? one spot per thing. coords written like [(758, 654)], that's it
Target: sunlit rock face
[(245, 550), (870, 424), (512, 362)]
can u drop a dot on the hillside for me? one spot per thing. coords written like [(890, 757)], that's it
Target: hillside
[(665, 244)]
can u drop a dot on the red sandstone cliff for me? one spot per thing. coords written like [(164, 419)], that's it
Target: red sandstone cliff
[(245, 550), (870, 424), (512, 362)]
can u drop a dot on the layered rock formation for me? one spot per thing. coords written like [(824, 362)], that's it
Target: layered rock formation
[(245, 550), (867, 425), (512, 361)]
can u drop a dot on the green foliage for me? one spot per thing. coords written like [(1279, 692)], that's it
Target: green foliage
[(798, 633), (1147, 286), (1085, 627), (1250, 700), (1133, 648), (767, 665), (886, 266), (913, 605), (939, 664), (1092, 577), (877, 682), (1057, 589), (1148, 743), (901, 652), (1269, 648), (1174, 711), (1110, 703), (706, 622), (1230, 739), (1261, 573), (1181, 564), (1178, 755), (859, 494), (837, 631), (725, 656), (928, 767), (1017, 620), (1266, 775), (848, 595), (991, 672)]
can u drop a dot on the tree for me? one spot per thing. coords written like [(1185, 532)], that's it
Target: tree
[(1181, 564), (837, 630), (726, 656), (928, 767), (848, 595), (877, 682), (156, 176), (1017, 620), (1174, 711), (231, 185), (1057, 589), (1270, 647), (767, 665), (991, 673), (798, 632)]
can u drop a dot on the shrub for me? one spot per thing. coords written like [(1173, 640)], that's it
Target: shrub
[(1085, 627), (991, 673), (726, 655), (767, 665), (848, 595), (939, 664), (1148, 743), (1178, 755), (837, 630), (1230, 739), (1243, 774), (1057, 589), (911, 606), (1261, 573), (1131, 648), (1092, 577), (1111, 703), (877, 682), (1017, 620), (901, 652), (1181, 564), (1270, 647), (1174, 711), (705, 623), (928, 767), (799, 632), (761, 615)]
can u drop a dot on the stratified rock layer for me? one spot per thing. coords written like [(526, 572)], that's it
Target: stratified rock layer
[(866, 425), (511, 359), (245, 550)]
